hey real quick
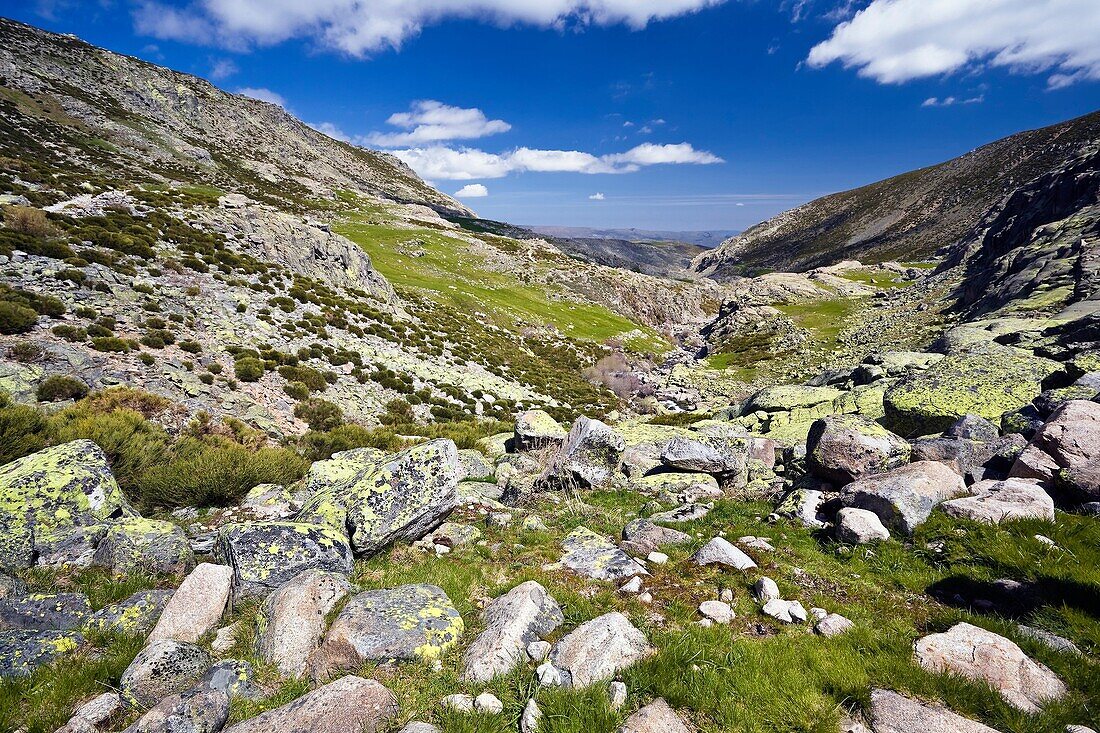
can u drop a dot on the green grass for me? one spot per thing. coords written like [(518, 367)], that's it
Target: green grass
[(881, 279), (455, 276)]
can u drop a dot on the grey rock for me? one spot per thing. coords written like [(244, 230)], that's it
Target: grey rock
[(536, 429), (1049, 639), (905, 497), (24, 650), (657, 717), (348, 704), (597, 649), (11, 587), (269, 501), (531, 718), (418, 727), (594, 556), (859, 526), (95, 715), (488, 704), (197, 605), (42, 612), (894, 713), (720, 551), (685, 513), (234, 677), (833, 625), (843, 448), (588, 458), (716, 455), (765, 590), (474, 466), (292, 619), (134, 544), (644, 536), (973, 427), (264, 555), (134, 615), (197, 710), (616, 694), (520, 617), (1068, 441), (994, 502), (163, 668)]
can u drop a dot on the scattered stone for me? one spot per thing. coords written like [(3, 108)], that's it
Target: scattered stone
[(657, 558), (756, 543), (162, 668), (765, 590), (536, 429), (137, 615), (678, 487), (197, 605), (531, 718), (632, 587), (642, 536), (348, 704), (894, 713), (264, 555), (717, 611), (24, 650), (802, 505), (268, 502), (51, 492), (453, 534), (225, 638), (378, 503), (43, 612), (594, 556), (978, 654), (234, 677), (533, 523), (616, 694), (513, 621), (720, 551), (789, 612), (538, 650), (859, 527), (135, 543), (1051, 640), (994, 502), (657, 717), (488, 703), (833, 625), (473, 466), (685, 513), (292, 620), (95, 715), (590, 454), (843, 448), (405, 623), (597, 649), (418, 727), (200, 709), (459, 703), (905, 497)]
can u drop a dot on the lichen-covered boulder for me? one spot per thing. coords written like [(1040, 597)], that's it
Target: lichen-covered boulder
[(136, 543), (596, 650), (50, 492), (677, 487), (264, 555), (595, 556), (905, 497), (94, 715), (402, 498), (716, 455), (843, 448), (994, 502), (292, 621), (642, 536), (474, 466), (163, 668), (199, 709), (524, 614), (45, 611), (74, 547), (342, 469), (234, 677), (269, 501), (24, 650), (802, 505), (536, 429), (453, 534), (588, 458), (983, 384), (350, 704), (410, 622), (11, 587), (136, 615), (1068, 442), (973, 652)]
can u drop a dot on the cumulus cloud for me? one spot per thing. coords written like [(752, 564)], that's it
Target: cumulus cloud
[(597, 197), (951, 101), (429, 121), (358, 28), (893, 41), (466, 164), (472, 191), (223, 69), (262, 94)]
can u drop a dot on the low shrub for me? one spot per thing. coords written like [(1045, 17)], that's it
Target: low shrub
[(296, 390), (191, 347), (248, 369), (110, 343), (321, 445), (69, 333), (25, 352), (319, 414), (29, 221), (16, 318), (59, 388)]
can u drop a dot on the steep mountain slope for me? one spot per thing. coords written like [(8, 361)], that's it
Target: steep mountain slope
[(93, 112), (908, 217)]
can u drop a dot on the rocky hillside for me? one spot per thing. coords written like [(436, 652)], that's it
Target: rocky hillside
[(69, 105), (909, 217)]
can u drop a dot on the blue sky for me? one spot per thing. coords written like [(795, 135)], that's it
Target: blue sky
[(659, 114)]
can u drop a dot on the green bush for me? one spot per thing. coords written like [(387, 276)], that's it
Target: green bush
[(296, 390), (23, 430), (191, 347), (218, 473), (16, 318), (206, 378), (59, 388), (70, 333), (319, 414), (321, 445), (146, 359), (248, 369), (311, 378), (110, 343), (25, 351)]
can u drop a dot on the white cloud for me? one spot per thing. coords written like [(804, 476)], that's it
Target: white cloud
[(358, 28), (951, 101), (472, 191), (466, 164), (597, 197), (429, 121), (264, 95), (893, 41), (223, 69)]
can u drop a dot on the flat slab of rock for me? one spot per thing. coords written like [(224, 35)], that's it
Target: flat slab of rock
[(136, 615), (407, 623), (269, 501), (712, 454), (842, 448), (24, 650), (905, 497), (197, 605), (597, 649), (656, 717), (680, 487), (523, 615), (264, 555), (595, 556), (721, 551), (894, 713), (47, 493), (994, 502), (162, 668), (973, 652), (685, 513), (346, 705), (378, 503), (293, 619), (42, 612)]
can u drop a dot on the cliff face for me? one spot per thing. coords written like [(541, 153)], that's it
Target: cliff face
[(906, 218), (109, 113)]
